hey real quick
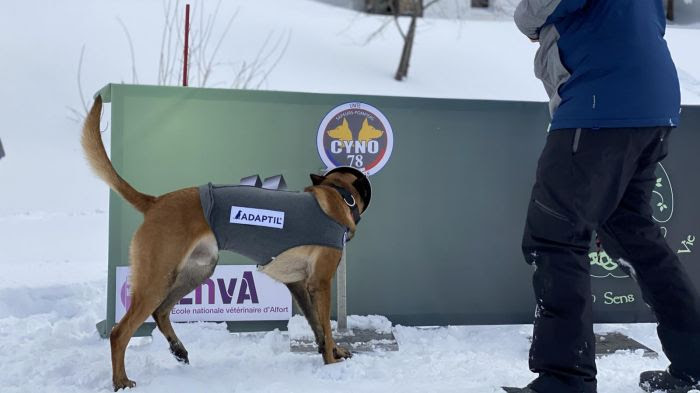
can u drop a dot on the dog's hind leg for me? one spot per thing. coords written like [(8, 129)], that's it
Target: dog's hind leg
[(171, 230), (145, 298), (303, 299), (198, 267), (141, 307)]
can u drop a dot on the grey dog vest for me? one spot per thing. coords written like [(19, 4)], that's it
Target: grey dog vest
[(261, 224)]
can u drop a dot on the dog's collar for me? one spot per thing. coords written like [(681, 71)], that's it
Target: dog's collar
[(349, 200)]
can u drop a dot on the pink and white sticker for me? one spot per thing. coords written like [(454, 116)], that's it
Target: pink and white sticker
[(232, 293)]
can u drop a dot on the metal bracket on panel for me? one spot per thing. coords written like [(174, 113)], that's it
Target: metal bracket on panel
[(253, 180), (275, 183)]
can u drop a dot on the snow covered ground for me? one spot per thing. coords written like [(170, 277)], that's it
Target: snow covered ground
[(53, 212), (52, 347)]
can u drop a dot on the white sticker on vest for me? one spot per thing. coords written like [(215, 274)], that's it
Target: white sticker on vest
[(257, 217)]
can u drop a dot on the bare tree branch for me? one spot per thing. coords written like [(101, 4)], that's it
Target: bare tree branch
[(377, 32), (277, 60), (75, 114), (425, 7), (210, 63), (169, 71), (398, 26), (79, 77), (134, 75)]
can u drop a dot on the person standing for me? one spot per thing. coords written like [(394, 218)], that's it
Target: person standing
[(614, 100)]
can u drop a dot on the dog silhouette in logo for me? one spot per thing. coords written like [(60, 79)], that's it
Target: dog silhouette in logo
[(342, 132), (367, 132)]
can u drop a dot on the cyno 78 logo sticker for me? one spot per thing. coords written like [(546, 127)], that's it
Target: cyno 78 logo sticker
[(355, 134)]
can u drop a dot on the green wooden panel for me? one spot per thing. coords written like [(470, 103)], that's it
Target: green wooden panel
[(440, 244)]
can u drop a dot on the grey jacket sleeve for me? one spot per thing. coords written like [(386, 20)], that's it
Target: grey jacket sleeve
[(531, 15)]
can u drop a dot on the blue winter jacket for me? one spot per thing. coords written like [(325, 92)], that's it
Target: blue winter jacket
[(604, 63)]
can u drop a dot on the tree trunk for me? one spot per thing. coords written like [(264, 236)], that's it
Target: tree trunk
[(669, 10), (402, 71)]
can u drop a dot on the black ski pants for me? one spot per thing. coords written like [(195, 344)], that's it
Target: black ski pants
[(601, 180)]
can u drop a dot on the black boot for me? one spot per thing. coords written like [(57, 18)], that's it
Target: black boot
[(519, 390), (547, 383), (652, 381)]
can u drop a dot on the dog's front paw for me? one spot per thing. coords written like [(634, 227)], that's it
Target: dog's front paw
[(123, 383), (341, 353)]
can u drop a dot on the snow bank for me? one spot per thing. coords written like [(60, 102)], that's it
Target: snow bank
[(299, 328)]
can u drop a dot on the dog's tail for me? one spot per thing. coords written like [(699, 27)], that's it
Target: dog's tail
[(99, 161)]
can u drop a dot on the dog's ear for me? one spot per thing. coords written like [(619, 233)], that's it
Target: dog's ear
[(316, 179)]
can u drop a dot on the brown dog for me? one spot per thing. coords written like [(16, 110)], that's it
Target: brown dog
[(175, 250)]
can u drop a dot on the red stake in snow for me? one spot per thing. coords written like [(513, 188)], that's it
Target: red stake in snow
[(185, 64)]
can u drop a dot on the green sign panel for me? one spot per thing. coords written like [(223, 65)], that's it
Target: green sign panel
[(451, 183)]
